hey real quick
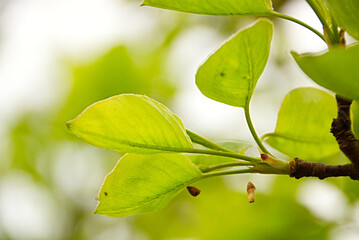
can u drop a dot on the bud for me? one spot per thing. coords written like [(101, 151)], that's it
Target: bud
[(193, 191), (251, 191), (341, 37)]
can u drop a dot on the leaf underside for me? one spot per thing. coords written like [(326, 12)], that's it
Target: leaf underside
[(346, 15), (231, 73), (336, 70), (144, 183), (303, 125)]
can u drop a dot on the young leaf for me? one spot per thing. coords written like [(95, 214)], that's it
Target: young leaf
[(214, 7), (143, 183), (131, 123), (303, 125), (346, 14), (231, 73), (336, 70)]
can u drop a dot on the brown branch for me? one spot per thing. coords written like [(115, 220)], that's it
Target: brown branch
[(341, 129), (348, 144), (300, 168)]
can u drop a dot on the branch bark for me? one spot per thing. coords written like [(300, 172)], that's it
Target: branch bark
[(300, 168), (341, 129)]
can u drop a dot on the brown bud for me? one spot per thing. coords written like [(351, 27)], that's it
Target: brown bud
[(193, 191), (251, 191), (342, 37), (264, 156)]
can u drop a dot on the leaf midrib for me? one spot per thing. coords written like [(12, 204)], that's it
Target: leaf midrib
[(124, 142)]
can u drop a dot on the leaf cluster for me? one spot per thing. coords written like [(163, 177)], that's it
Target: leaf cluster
[(163, 157)]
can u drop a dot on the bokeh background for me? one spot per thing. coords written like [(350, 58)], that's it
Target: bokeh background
[(58, 57)]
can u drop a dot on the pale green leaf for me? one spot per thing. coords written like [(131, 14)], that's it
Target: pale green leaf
[(144, 183), (231, 73), (131, 123), (336, 70), (346, 14), (303, 125), (210, 160), (214, 7)]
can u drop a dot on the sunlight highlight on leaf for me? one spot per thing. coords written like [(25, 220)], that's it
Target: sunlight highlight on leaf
[(303, 125), (336, 70), (231, 73), (131, 123), (214, 7)]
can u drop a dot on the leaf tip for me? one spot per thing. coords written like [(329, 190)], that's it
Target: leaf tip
[(69, 125), (97, 210), (144, 3), (294, 54)]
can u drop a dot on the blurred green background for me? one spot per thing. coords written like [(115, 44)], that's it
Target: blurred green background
[(58, 57)]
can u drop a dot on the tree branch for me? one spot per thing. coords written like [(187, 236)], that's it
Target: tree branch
[(348, 144), (341, 129), (300, 168)]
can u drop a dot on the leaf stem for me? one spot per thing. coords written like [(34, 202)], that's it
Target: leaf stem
[(330, 29), (292, 19), (253, 131), (224, 154), (239, 171), (317, 12), (226, 165), (205, 142)]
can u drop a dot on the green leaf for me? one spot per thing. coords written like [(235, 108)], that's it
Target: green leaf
[(336, 70), (131, 123), (346, 14), (231, 73), (303, 125), (210, 160), (143, 183), (214, 7)]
